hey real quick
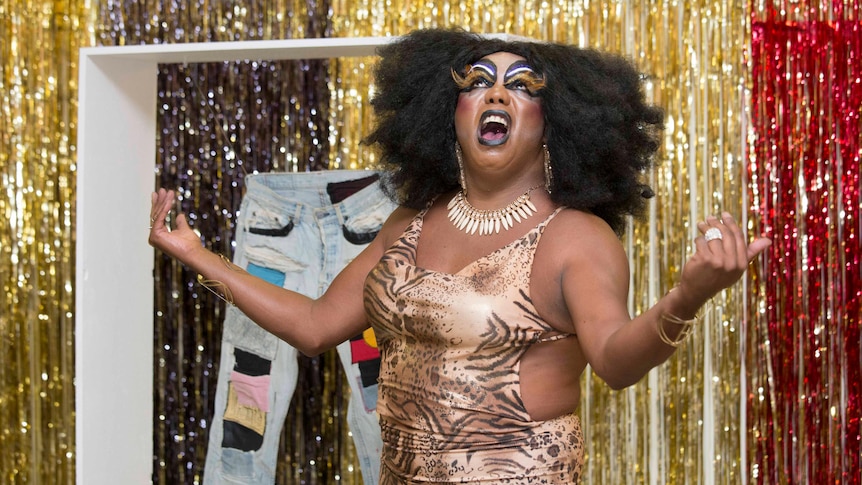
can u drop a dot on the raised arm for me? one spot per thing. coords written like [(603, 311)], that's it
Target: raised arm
[(310, 325), (621, 350)]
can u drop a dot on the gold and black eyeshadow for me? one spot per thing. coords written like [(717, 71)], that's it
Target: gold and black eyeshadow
[(483, 73)]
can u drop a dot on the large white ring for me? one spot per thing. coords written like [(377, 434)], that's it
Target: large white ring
[(712, 233)]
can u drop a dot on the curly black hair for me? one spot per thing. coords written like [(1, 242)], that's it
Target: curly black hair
[(601, 134)]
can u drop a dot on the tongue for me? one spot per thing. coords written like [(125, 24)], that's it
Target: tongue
[(493, 131)]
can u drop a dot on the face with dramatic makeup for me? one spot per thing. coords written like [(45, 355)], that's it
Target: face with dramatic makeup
[(499, 117)]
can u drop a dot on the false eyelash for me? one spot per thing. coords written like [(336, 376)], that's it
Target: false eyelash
[(531, 81), (466, 81)]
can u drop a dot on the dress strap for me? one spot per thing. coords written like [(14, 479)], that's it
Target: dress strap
[(547, 220), (540, 227)]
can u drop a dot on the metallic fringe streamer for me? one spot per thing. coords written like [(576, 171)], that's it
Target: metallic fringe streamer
[(805, 406)]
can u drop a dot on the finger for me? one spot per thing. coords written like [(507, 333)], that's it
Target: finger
[(701, 246), (157, 201), (758, 246), (713, 234), (708, 223), (167, 202), (181, 222), (154, 200), (700, 242), (737, 239), (164, 202), (726, 240)]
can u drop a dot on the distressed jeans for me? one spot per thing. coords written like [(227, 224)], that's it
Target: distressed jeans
[(297, 231)]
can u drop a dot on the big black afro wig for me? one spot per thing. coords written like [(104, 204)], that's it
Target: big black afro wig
[(601, 134)]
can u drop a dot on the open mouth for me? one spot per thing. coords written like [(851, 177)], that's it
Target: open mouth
[(494, 127)]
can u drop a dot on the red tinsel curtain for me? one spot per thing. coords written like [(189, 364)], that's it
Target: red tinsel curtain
[(805, 372)]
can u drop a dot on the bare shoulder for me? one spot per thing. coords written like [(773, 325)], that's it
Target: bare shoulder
[(578, 243), (580, 260), (395, 225), (576, 235)]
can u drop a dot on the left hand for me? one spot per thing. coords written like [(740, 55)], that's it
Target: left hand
[(720, 261), (179, 243)]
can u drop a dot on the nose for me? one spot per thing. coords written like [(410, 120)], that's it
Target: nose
[(497, 94)]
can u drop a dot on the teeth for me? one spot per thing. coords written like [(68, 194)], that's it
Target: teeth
[(496, 119)]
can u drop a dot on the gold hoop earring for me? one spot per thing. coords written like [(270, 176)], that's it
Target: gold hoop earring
[(460, 158), (549, 176)]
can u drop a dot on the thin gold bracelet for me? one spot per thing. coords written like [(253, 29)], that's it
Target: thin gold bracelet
[(679, 321), (215, 287), (230, 264), (218, 288), (687, 328)]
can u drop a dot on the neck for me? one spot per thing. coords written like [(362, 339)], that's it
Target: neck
[(494, 196)]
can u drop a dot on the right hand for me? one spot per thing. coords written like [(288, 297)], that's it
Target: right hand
[(178, 242), (719, 263)]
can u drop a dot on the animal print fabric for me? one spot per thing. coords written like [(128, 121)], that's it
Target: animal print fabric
[(449, 398)]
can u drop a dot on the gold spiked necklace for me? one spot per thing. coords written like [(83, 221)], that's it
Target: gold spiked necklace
[(469, 219)]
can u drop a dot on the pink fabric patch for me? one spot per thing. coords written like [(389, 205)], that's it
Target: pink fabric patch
[(252, 391)]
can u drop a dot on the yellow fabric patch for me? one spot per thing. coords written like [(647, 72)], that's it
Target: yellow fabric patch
[(248, 416), (370, 338)]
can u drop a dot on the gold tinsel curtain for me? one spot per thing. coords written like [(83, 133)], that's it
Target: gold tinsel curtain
[(39, 44), (685, 423)]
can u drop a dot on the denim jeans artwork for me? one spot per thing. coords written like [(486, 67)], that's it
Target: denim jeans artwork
[(295, 230)]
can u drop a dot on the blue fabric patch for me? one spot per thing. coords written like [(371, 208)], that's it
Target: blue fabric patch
[(267, 274)]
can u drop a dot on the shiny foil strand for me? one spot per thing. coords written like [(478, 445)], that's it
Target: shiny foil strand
[(38, 84), (807, 99)]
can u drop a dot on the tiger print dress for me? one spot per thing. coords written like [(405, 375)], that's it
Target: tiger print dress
[(449, 397)]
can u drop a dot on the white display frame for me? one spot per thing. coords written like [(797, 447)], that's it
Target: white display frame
[(114, 264)]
